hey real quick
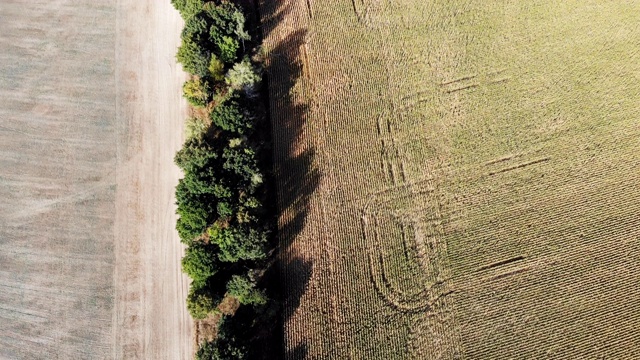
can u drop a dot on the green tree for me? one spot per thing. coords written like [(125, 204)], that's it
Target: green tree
[(238, 243), (247, 209), (200, 262), (197, 92), (216, 68), (196, 154), (224, 209), (198, 183), (188, 8), (203, 169), (227, 29), (200, 303), (230, 116), (239, 20), (196, 29), (224, 19), (241, 163), (243, 76), (227, 344), (192, 222), (195, 127), (228, 49), (244, 289), (193, 57)]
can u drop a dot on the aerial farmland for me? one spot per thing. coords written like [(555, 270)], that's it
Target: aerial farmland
[(450, 179), (457, 179)]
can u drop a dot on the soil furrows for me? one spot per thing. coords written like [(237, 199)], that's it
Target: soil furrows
[(57, 132), (150, 317)]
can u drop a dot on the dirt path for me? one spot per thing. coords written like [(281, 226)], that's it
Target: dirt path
[(150, 320)]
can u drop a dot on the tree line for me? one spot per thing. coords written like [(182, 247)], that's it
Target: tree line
[(225, 218)]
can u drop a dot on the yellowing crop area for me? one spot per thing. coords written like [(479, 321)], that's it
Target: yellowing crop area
[(457, 179)]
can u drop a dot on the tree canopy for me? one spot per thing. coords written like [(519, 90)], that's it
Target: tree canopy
[(220, 198)]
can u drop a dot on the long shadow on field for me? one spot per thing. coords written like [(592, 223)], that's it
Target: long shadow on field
[(298, 352), (293, 155), (296, 177), (272, 13)]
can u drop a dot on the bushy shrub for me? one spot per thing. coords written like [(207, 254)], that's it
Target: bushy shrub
[(194, 59), (196, 91), (238, 243), (200, 262), (243, 288), (244, 76), (229, 116)]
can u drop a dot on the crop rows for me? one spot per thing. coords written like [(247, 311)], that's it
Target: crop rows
[(378, 262), (463, 173)]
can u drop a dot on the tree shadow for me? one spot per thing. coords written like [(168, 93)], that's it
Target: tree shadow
[(272, 13), (298, 352), (293, 159), (269, 341), (283, 121), (299, 272)]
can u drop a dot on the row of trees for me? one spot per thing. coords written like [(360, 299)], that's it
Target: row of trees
[(222, 216)]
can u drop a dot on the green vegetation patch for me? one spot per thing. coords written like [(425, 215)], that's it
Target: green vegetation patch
[(220, 200)]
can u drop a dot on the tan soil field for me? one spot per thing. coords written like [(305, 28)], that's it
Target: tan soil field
[(457, 179), (90, 119)]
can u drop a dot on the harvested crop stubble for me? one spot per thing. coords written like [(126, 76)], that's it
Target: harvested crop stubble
[(443, 141)]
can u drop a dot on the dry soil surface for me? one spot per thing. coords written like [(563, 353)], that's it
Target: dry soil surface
[(90, 118), (150, 320)]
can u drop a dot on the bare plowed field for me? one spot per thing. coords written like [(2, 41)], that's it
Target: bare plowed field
[(457, 179), (90, 118)]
